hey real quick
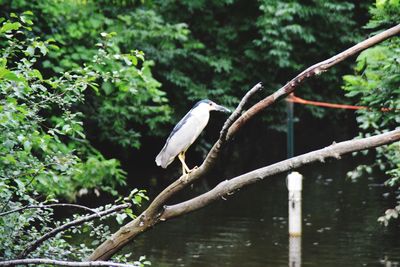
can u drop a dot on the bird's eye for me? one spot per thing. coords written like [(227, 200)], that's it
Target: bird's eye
[(210, 104)]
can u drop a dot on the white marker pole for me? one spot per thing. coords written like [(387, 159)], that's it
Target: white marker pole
[(294, 182), (295, 187)]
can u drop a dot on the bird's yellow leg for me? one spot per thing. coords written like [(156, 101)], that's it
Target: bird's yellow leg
[(185, 168)]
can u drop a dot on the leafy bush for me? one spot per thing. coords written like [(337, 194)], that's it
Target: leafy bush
[(201, 49), (128, 103), (43, 142), (376, 84), (44, 151)]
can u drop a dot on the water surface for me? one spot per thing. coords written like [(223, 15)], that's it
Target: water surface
[(340, 226)]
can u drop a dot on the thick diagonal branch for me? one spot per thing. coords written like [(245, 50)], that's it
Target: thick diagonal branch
[(154, 212), (228, 187)]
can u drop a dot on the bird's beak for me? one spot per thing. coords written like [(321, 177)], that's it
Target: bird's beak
[(222, 108)]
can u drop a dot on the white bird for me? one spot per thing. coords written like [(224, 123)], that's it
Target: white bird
[(186, 132)]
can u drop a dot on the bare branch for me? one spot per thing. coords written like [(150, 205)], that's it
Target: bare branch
[(64, 263), (49, 206), (228, 187), (154, 212), (142, 223), (311, 71), (238, 111), (34, 245)]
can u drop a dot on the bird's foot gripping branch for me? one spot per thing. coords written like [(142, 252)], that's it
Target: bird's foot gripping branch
[(160, 211)]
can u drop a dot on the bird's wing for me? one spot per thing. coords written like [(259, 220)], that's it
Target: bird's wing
[(178, 126), (181, 137), (163, 158)]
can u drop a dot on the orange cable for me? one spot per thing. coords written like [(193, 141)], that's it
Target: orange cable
[(295, 99)]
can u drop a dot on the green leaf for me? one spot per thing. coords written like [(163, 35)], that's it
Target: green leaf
[(30, 50), (133, 59), (121, 217), (27, 145), (3, 63), (12, 77), (9, 75), (28, 12), (10, 26), (107, 87), (36, 73)]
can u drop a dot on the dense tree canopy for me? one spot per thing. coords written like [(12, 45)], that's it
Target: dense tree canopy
[(199, 49)]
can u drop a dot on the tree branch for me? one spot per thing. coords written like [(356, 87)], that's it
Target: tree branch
[(48, 207), (154, 212), (34, 245), (64, 263), (236, 114), (311, 71), (228, 187)]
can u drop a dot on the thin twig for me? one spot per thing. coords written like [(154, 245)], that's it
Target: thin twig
[(238, 111), (34, 245), (12, 194), (48, 207), (26, 185), (64, 263)]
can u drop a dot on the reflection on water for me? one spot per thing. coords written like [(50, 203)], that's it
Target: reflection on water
[(294, 251), (250, 229)]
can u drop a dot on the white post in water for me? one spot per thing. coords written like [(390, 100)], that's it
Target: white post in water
[(295, 186), (294, 182)]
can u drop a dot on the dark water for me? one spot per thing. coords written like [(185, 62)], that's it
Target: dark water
[(340, 226)]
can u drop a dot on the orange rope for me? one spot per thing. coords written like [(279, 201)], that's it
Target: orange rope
[(295, 99)]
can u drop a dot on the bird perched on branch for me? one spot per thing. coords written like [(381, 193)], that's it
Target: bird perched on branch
[(186, 132)]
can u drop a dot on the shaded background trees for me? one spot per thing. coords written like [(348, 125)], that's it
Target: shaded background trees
[(195, 50)]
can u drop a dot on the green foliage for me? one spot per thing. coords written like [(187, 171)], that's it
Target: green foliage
[(376, 84), (199, 49), (128, 101), (67, 245), (293, 36), (136, 197), (385, 13), (44, 151), (14, 240), (43, 142), (284, 27), (129, 96), (234, 44)]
